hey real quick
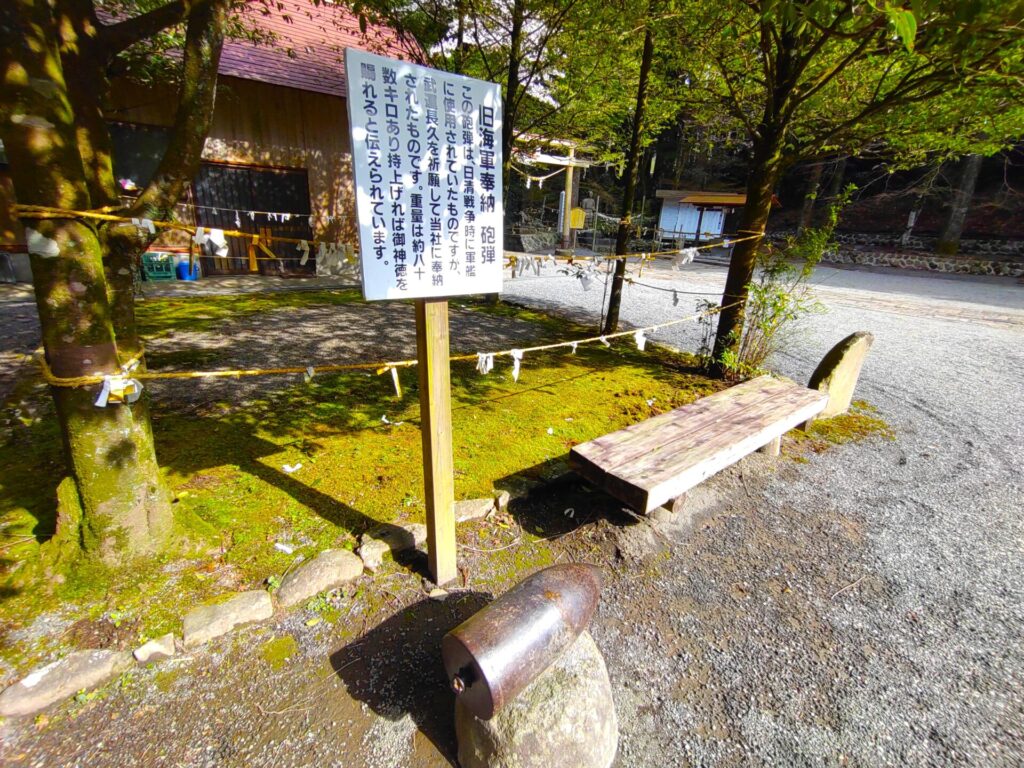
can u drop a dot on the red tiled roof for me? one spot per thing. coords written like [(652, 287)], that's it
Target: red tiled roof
[(308, 50)]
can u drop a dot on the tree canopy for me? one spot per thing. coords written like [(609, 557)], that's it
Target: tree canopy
[(838, 77)]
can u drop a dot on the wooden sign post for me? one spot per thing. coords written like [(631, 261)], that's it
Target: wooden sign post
[(426, 155), (436, 432)]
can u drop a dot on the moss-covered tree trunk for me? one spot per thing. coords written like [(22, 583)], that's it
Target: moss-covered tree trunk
[(949, 240), (810, 197), (109, 450), (766, 166), (54, 59), (611, 322)]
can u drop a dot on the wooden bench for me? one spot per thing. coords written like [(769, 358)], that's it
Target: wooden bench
[(654, 463)]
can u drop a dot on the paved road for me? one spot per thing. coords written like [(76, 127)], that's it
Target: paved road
[(898, 636)]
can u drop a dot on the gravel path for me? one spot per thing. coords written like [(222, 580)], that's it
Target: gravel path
[(871, 609)]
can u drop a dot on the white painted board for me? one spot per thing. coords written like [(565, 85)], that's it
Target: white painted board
[(678, 219), (426, 153)]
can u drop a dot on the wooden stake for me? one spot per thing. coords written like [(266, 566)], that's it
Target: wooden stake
[(436, 431), (567, 210)]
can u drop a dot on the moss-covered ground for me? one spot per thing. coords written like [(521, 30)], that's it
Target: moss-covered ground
[(358, 445)]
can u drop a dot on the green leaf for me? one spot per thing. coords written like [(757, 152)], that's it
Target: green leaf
[(906, 26)]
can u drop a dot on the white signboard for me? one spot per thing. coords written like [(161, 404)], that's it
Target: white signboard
[(426, 147)]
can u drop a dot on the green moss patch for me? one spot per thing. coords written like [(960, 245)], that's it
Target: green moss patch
[(276, 652), (856, 425)]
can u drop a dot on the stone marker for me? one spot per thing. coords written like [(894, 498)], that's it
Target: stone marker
[(501, 500), (157, 649), (328, 570), (209, 621), (838, 371), (79, 670), (566, 717), (377, 542), (473, 509)]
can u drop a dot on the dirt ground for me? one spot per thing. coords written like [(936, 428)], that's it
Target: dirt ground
[(381, 700)]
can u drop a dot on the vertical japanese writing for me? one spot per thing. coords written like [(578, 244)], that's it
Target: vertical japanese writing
[(414, 159), (488, 233), (428, 179), (377, 223), (467, 110), (396, 184), (452, 211), (434, 182)]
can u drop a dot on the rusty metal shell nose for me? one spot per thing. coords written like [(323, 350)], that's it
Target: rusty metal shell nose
[(502, 648)]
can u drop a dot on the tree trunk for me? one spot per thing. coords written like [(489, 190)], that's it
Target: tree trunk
[(810, 196), (949, 240), (611, 322), (764, 172), (110, 454), (923, 190), (835, 184), (508, 115)]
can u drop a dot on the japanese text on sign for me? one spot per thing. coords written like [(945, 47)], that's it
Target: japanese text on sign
[(426, 148)]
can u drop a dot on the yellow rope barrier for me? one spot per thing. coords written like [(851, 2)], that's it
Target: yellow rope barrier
[(47, 212), (42, 211), (379, 367), (101, 214), (641, 256)]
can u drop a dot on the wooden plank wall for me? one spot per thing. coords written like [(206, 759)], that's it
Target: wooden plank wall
[(260, 124)]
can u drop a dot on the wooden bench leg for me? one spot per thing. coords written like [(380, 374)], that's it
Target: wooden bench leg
[(676, 505), (670, 510), (774, 448)]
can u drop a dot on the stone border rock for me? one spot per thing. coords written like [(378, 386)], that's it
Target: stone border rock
[(328, 570), (332, 568), (78, 671)]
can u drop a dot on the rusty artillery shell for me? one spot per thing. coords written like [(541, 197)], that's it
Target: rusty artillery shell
[(502, 648)]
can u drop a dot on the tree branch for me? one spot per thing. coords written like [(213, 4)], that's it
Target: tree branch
[(124, 34), (736, 107), (482, 49), (826, 77), (204, 38)]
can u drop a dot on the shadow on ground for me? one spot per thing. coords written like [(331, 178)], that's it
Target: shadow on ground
[(550, 500), (396, 668)]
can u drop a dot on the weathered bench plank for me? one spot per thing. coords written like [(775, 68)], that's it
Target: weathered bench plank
[(636, 440), (651, 463)]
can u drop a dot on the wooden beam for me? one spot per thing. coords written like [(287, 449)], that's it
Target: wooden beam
[(252, 255), (436, 432)]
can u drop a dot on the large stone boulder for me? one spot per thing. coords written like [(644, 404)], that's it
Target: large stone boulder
[(838, 371), (566, 717)]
